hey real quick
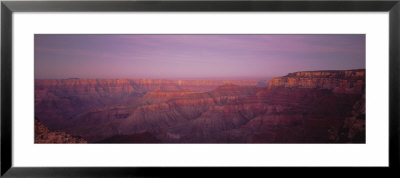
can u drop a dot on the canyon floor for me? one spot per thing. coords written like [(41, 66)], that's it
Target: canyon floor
[(301, 107)]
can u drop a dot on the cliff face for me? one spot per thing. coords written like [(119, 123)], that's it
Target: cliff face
[(127, 86), (302, 107), (58, 101), (229, 114), (43, 135), (349, 81), (156, 110)]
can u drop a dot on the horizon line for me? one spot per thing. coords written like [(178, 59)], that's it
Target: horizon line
[(191, 78)]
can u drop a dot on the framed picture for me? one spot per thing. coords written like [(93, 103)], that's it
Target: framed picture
[(141, 88)]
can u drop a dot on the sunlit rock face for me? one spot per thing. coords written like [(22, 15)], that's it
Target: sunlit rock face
[(350, 82), (302, 107)]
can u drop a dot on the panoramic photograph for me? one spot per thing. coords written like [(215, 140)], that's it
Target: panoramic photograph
[(199, 88)]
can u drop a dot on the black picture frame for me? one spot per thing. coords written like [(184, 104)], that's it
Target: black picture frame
[(8, 7)]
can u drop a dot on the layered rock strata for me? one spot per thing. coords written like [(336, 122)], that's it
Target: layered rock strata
[(349, 81), (301, 107)]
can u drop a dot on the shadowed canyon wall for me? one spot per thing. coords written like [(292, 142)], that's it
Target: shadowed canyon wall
[(301, 107)]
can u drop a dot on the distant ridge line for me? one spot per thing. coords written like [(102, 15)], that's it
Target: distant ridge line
[(330, 70)]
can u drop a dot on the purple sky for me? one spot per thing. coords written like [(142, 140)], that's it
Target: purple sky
[(193, 56)]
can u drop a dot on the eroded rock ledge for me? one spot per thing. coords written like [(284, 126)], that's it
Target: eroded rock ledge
[(43, 135), (340, 81)]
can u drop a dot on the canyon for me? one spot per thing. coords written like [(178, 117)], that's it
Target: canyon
[(301, 107)]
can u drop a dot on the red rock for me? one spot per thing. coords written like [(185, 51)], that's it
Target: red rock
[(350, 81), (43, 135), (302, 107)]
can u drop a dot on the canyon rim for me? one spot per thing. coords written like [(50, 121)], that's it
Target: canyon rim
[(200, 88)]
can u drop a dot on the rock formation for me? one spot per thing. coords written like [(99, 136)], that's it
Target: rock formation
[(302, 107), (57, 101), (350, 81), (43, 135)]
